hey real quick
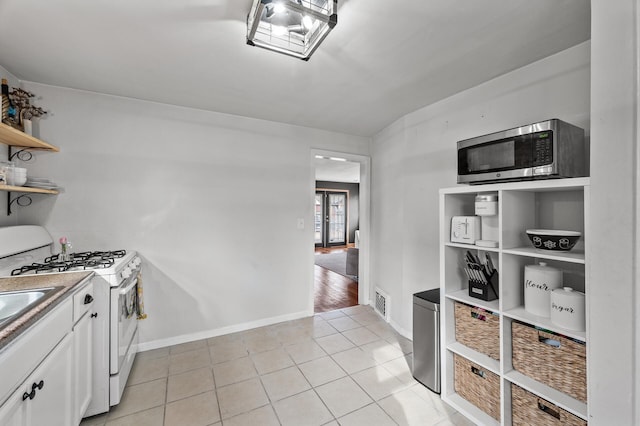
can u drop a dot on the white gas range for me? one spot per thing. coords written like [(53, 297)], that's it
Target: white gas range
[(29, 250)]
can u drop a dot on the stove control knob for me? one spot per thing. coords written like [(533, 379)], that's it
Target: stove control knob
[(137, 261), (126, 272)]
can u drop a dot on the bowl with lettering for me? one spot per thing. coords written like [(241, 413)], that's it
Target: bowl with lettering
[(553, 239)]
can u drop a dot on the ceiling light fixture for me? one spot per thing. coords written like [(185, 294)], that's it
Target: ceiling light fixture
[(306, 23)]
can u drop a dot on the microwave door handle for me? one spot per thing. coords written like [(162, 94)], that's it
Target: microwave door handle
[(128, 288)]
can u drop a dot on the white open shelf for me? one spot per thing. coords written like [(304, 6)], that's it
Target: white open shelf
[(554, 204), (479, 358), (521, 314), (463, 296), (562, 256), (469, 410), (473, 247)]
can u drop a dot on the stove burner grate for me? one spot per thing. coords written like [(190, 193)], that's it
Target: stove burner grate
[(82, 260)]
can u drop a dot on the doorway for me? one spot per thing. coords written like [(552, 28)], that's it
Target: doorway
[(331, 218), (337, 208)]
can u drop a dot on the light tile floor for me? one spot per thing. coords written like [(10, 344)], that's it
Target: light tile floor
[(345, 367)]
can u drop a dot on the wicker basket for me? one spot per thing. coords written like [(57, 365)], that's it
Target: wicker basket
[(563, 367), (477, 385), (529, 409), (478, 329)]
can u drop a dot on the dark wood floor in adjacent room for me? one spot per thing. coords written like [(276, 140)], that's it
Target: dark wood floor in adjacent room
[(332, 290)]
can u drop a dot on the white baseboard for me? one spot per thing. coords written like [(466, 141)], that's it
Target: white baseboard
[(191, 337), (395, 325)]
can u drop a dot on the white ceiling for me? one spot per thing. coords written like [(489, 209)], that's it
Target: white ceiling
[(383, 60), (337, 171)]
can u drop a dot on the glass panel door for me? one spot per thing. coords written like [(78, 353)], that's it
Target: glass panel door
[(330, 217), (337, 218), (319, 218)]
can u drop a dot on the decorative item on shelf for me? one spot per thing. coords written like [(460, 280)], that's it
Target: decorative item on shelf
[(487, 208), (9, 110), (483, 277), (551, 239), (26, 111), (539, 281), (568, 309)]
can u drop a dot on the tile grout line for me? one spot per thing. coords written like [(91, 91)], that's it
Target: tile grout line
[(390, 339)]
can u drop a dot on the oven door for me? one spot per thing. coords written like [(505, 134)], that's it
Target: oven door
[(124, 321)]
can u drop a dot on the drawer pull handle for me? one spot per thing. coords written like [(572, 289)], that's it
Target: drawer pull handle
[(477, 372), (549, 410), (94, 315), (37, 385), (88, 299), (30, 395)]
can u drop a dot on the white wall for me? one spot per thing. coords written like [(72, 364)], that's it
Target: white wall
[(416, 156), (211, 202)]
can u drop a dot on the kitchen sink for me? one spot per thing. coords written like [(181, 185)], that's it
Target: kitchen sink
[(13, 303)]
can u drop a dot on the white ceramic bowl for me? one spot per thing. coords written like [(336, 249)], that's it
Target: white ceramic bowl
[(17, 180)]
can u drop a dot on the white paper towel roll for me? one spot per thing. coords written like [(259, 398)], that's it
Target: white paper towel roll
[(539, 281), (567, 309)]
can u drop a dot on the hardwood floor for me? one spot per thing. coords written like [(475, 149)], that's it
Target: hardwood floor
[(332, 290)]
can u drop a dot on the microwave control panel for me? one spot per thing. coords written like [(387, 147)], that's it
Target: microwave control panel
[(543, 148)]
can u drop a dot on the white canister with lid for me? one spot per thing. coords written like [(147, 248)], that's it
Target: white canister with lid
[(567, 309), (539, 281), (486, 204)]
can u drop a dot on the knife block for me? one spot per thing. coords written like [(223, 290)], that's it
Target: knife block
[(485, 291)]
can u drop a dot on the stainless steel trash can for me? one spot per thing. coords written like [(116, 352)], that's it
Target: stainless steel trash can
[(426, 338)]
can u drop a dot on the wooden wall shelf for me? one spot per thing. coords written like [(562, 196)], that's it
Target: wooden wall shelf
[(10, 188), (13, 137)]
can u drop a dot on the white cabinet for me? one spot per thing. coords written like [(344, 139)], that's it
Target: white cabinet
[(43, 398), (550, 204), (50, 384), (47, 372)]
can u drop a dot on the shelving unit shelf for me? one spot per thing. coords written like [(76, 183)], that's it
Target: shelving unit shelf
[(547, 204), (14, 138)]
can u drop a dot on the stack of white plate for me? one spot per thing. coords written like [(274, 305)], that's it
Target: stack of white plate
[(36, 182)]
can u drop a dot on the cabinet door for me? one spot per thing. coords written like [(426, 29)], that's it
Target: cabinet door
[(13, 412), (83, 366), (52, 404)]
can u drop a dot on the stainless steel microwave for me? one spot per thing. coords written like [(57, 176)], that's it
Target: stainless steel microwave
[(548, 149)]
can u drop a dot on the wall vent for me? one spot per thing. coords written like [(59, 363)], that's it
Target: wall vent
[(382, 304)]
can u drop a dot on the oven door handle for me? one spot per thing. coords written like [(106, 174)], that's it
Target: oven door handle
[(128, 288)]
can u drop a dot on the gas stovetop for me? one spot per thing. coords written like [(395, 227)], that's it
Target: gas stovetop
[(72, 262)]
